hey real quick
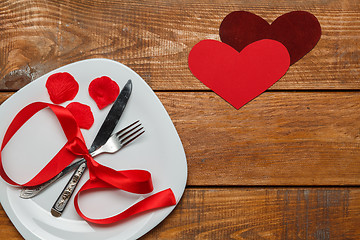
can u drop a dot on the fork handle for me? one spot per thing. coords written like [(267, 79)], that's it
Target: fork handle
[(63, 199)]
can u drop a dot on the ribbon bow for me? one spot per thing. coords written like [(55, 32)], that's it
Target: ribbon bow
[(134, 181)]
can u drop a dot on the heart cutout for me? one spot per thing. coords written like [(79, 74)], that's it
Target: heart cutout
[(239, 77), (298, 31)]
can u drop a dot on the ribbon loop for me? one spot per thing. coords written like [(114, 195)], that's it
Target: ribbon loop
[(62, 159)]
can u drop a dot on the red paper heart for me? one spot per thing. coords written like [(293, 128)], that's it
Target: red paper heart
[(299, 31), (103, 91), (239, 77)]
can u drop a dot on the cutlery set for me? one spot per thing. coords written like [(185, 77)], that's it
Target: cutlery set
[(105, 142)]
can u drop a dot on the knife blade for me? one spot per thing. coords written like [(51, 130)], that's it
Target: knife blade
[(112, 118), (102, 136)]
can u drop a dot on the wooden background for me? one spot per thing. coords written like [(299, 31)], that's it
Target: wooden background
[(284, 166)]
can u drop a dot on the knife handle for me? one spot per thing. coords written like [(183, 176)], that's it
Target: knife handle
[(29, 192), (63, 199)]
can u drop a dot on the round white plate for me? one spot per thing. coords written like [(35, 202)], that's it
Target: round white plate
[(159, 151)]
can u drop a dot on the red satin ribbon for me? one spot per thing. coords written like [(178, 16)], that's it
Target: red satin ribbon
[(134, 181)]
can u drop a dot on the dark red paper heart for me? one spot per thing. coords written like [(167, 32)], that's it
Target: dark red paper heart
[(299, 31), (239, 77), (103, 91)]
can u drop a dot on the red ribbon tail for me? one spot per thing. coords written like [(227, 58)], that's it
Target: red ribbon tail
[(161, 199)]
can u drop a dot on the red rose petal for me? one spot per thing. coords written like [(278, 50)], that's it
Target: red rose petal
[(62, 87), (82, 113), (103, 91)]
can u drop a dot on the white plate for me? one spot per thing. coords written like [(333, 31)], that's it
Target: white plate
[(159, 151)]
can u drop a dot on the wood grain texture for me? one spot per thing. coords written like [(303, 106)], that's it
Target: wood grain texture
[(7, 229), (284, 166), (155, 37), (280, 138), (4, 96), (248, 213)]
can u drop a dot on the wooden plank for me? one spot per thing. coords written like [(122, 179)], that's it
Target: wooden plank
[(7, 229), (263, 214), (252, 213), (280, 138), (155, 37), (4, 96)]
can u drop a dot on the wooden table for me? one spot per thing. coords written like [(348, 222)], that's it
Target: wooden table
[(284, 166)]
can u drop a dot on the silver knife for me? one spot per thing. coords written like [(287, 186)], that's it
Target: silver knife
[(102, 136)]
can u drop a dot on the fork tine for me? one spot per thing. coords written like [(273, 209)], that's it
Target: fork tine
[(129, 134), (126, 128), (133, 138)]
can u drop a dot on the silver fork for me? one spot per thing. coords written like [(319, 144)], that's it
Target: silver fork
[(120, 139), (116, 142)]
